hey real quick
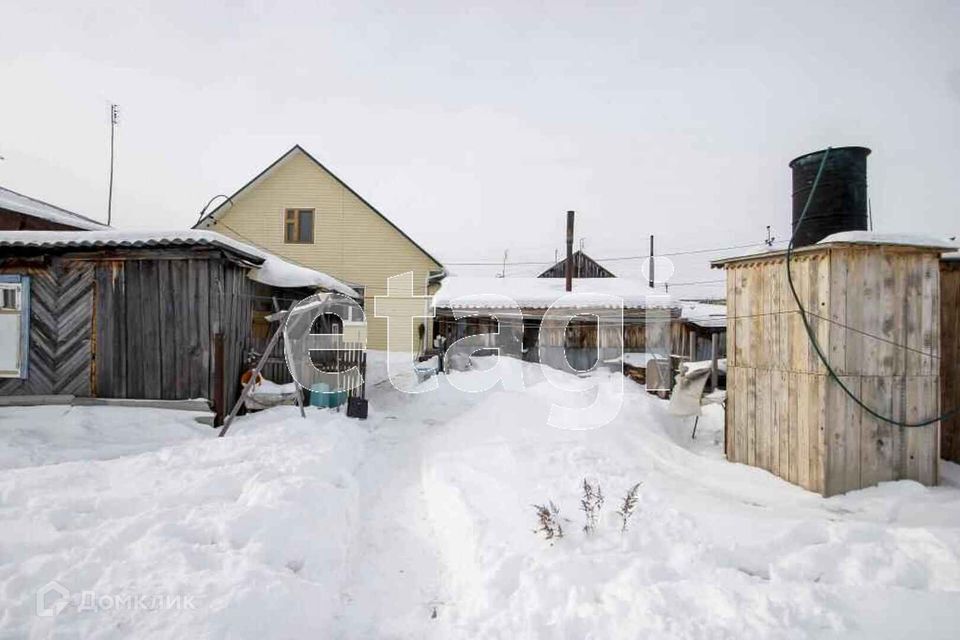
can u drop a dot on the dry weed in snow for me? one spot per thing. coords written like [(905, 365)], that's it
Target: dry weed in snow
[(549, 517), (629, 505), (591, 503)]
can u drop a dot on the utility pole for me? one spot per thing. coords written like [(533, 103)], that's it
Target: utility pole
[(569, 269), (503, 274), (114, 112), (651, 261)]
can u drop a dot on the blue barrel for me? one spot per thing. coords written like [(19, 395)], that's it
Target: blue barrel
[(322, 396)]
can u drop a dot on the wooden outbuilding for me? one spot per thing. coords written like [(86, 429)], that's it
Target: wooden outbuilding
[(579, 345), (139, 315), (873, 302)]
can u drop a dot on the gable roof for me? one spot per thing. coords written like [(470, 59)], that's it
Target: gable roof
[(582, 264), (25, 205), (214, 215)]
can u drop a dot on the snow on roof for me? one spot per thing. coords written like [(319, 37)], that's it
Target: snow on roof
[(277, 272), (19, 203), (540, 293), (851, 237), (704, 315), (901, 239), (266, 267)]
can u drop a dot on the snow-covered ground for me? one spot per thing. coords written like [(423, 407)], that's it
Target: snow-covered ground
[(417, 523)]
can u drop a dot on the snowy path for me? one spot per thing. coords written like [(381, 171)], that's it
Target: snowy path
[(392, 577), (394, 585)]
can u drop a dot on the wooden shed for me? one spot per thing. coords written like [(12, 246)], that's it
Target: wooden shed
[(950, 357), (874, 304), (580, 344), (139, 315)]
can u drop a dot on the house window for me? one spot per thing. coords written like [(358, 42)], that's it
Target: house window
[(14, 325), (298, 226)]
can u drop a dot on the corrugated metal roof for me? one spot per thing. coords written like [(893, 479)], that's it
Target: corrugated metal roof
[(93, 239), (25, 205), (271, 269)]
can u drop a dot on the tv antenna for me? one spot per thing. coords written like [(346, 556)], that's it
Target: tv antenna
[(770, 239)]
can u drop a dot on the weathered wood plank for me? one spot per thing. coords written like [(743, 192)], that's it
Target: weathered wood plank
[(879, 441), (151, 319), (913, 317), (795, 409), (179, 277), (950, 358), (839, 269), (818, 305), (892, 278), (214, 285), (134, 325), (870, 320), (930, 316), (804, 427), (168, 330), (781, 423), (192, 331), (740, 417), (757, 356), (764, 419), (750, 417), (818, 434), (854, 312)]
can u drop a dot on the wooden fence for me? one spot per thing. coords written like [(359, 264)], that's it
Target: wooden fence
[(350, 361)]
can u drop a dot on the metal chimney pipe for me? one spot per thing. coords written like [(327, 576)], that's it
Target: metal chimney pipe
[(569, 269)]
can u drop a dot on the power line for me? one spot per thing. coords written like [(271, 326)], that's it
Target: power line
[(480, 263)]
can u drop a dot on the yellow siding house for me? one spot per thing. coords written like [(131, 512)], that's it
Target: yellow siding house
[(298, 209)]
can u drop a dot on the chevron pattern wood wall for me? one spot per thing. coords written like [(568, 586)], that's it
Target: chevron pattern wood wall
[(61, 317)]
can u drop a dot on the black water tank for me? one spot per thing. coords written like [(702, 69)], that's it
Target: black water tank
[(840, 202)]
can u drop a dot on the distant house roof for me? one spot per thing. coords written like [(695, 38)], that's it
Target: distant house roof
[(27, 206), (583, 267), (540, 293), (215, 215), (266, 267)]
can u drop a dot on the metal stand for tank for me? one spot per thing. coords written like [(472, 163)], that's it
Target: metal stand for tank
[(253, 379)]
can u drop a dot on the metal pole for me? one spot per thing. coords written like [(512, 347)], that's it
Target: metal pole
[(714, 374), (569, 269), (114, 110), (218, 388), (651, 262), (253, 378)]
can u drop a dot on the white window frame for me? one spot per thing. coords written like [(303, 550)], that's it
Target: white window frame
[(21, 284)]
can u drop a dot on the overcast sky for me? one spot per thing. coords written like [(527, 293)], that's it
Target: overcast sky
[(475, 129)]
